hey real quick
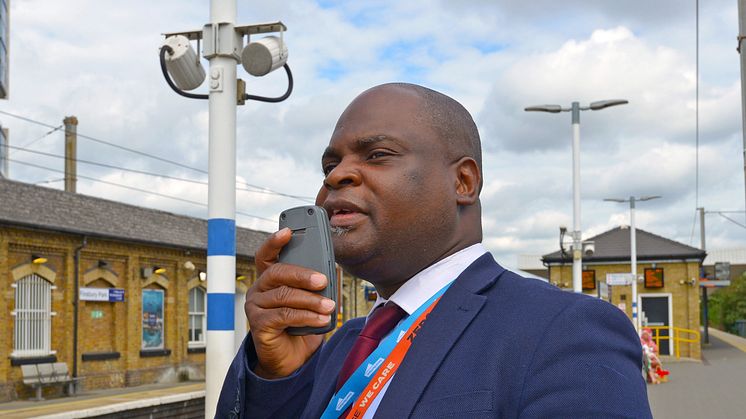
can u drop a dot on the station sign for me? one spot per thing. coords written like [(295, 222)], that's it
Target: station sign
[(619, 279), (112, 295)]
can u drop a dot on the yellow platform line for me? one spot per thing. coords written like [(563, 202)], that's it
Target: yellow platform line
[(71, 405)]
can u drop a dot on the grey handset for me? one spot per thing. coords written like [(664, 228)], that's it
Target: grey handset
[(311, 247)]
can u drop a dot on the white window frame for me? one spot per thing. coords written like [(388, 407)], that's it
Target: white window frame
[(197, 316), (32, 331)]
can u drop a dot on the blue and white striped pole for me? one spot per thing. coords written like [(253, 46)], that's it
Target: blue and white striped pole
[(221, 224)]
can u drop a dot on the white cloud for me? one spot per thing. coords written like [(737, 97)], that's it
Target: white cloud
[(98, 61)]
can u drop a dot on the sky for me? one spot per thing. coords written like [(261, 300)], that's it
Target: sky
[(99, 62)]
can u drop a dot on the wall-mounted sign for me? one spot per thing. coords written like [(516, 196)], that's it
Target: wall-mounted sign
[(619, 279), (97, 314), (112, 295)]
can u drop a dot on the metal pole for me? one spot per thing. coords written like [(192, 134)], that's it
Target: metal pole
[(633, 259), (702, 228), (741, 35), (221, 224), (71, 146), (706, 314), (577, 247)]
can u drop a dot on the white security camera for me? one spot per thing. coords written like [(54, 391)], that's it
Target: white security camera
[(189, 265), (183, 64), (589, 248), (261, 57)]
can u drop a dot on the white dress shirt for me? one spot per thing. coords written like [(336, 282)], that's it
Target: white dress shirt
[(415, 292)]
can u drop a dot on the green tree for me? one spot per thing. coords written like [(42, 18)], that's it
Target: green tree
[(728, 305)]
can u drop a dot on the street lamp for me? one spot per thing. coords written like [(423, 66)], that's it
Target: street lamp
[(633, 249), (575, 108)]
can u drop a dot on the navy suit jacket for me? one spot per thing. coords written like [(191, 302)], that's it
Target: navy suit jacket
[(496, 345)]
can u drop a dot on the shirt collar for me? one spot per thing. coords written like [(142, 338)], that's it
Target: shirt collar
[(418, 289)]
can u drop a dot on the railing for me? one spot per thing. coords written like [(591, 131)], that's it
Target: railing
[(677, 338)]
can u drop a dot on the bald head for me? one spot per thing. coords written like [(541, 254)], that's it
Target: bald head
[(448, 118), (402, 180)]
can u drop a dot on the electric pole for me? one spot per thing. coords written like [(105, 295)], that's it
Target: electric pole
[(706, 314), (741, 37)]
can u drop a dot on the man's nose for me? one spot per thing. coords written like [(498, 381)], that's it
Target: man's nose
[(344, 174)]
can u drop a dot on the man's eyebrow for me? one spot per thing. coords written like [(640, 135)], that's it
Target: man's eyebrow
[(367, 142), (328, 153)]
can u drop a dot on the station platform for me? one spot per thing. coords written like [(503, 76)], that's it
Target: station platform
[(109, 403), (712, 388)]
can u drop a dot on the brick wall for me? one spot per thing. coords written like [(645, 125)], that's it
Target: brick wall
[(109, 334), (680, 282)]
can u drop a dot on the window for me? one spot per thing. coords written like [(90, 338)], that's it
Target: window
[(33, 317), (654, 278), (197, 317), (589, 280)]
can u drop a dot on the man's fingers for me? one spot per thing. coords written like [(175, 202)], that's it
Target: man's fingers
[(270, 249), (280, 274), (284, 296), (283, 317)]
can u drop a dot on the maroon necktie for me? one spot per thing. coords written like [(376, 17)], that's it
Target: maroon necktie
[(379, 324)]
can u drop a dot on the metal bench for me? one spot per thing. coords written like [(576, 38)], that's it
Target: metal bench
[(39, 375)]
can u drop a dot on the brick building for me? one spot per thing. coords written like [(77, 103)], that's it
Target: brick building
[(668, 280), (140, 317)]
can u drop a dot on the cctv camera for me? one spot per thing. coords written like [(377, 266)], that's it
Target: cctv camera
[(189, 265), (183, 64), (261, 57), (589, 248)]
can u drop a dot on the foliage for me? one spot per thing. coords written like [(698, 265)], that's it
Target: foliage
[(728, 304)]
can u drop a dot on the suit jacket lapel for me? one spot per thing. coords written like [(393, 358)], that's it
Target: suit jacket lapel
[(443, 327)]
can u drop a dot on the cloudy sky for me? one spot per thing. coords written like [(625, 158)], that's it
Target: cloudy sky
[(98, 61)]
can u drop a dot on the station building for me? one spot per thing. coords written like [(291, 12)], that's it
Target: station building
[(116, 291), (668, 275)]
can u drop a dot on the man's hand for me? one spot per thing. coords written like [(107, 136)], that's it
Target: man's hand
[(283, 297)]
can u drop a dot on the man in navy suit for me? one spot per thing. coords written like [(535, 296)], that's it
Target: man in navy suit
[(402, 180)]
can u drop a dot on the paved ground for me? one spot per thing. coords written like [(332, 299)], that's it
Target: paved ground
[(713, 388), (101, 401)]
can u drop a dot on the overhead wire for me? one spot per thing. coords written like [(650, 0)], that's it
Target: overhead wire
[(143, 172), (144, 154), (720, 213), (42, 182), (176, 198), (48, 133)]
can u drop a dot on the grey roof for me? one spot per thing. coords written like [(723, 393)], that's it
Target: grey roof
[(32, 206), (614, 245)]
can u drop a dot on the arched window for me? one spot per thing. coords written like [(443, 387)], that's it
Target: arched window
[(33, 317), (197, 318)]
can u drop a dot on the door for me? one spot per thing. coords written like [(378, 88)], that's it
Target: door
[(656, 311)]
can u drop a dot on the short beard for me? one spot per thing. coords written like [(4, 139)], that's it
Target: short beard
[(340, 231)]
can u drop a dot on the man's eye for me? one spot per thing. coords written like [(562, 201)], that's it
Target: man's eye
[(377, 155), (328, 169)]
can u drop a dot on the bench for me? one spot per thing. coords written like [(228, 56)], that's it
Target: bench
[(38, 376)]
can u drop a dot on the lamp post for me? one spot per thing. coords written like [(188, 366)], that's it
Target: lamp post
[(633, 249), (575, 108)]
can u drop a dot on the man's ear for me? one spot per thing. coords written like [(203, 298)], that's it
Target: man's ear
[(468, 181)]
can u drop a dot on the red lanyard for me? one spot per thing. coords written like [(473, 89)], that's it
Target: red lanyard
[(388, 368)]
